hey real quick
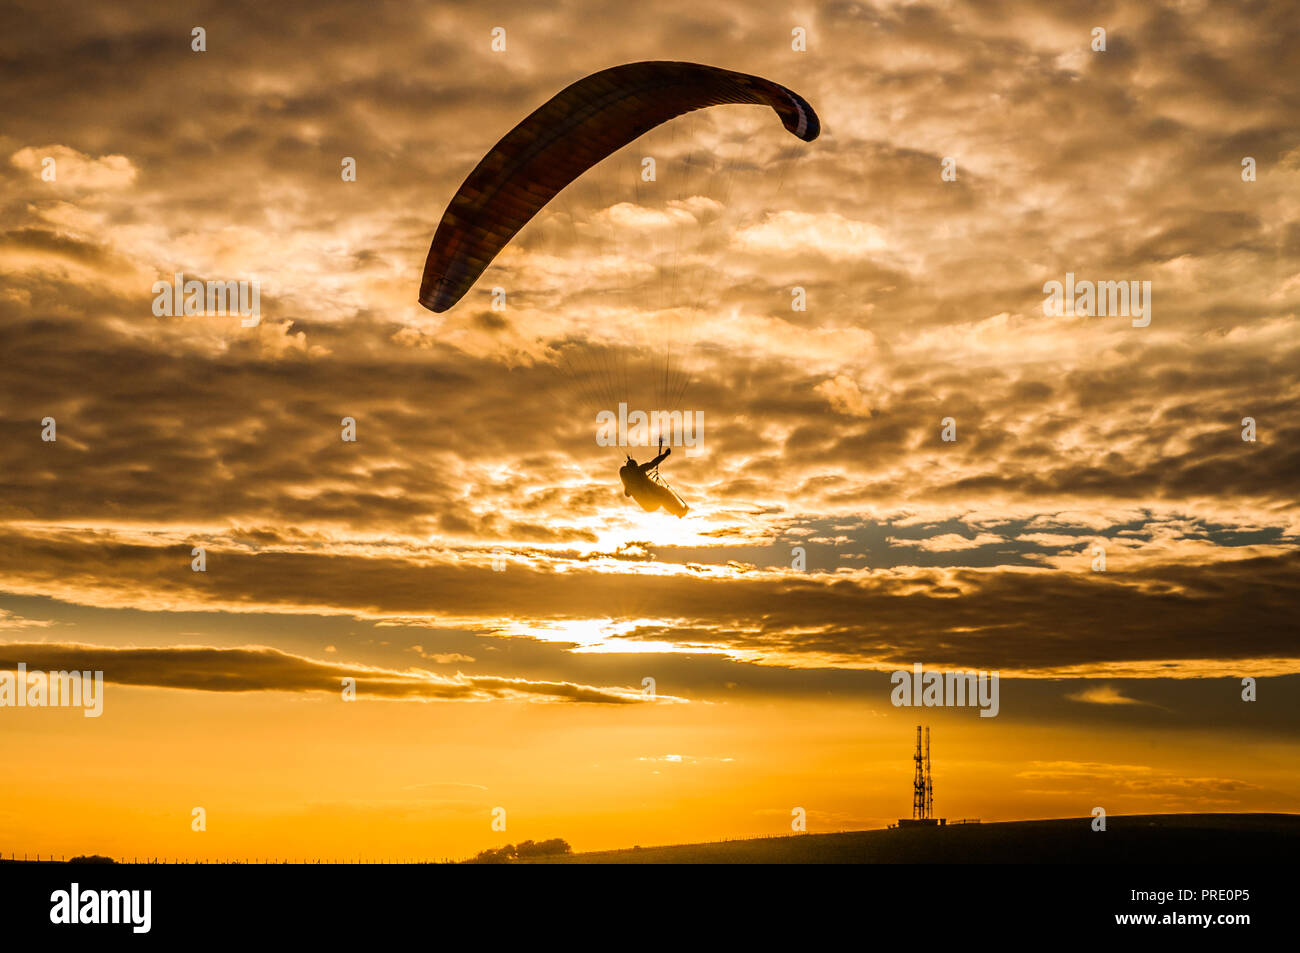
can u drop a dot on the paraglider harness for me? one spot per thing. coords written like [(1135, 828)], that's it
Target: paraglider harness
[(653, 473)]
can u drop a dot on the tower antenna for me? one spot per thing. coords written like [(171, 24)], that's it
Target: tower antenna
[(918, 782), (923, 787), (929, 783)]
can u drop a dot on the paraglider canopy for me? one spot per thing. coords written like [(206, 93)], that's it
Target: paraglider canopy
[(576, 129)]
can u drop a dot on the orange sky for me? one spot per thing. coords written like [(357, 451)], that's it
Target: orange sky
[(521, 686)]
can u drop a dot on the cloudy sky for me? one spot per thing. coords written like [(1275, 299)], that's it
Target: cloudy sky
[(470, 559)]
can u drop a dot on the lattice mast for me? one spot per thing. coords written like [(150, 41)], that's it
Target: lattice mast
[(929, 783), (918, 782)]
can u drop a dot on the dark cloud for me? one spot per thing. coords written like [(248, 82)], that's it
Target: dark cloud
[(1026, 619), (265, 669)]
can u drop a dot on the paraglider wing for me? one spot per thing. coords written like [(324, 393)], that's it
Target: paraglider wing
[(576, 129)]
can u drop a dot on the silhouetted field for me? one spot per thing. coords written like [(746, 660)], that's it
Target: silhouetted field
[(1128, 839)]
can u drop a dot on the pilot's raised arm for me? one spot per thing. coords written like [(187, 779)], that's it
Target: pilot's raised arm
[(647, 467)]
